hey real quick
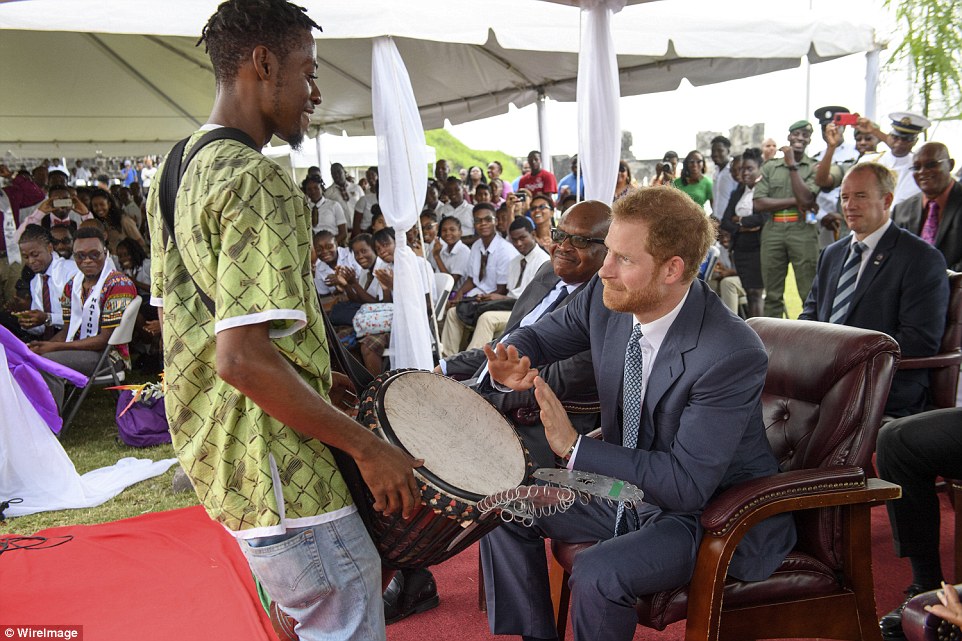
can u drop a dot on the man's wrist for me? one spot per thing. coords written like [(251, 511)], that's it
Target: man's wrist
[(791, 167)]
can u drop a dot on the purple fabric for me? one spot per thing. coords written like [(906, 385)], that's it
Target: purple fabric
[(25, 367), (143, 424)]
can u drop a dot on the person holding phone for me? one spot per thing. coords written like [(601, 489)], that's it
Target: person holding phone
[(61, 208), (837, 157)]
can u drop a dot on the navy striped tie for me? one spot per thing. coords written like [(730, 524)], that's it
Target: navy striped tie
[(633, 394), (846, 284)]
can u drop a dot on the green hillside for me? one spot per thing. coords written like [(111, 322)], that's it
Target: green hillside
[(458, 155)]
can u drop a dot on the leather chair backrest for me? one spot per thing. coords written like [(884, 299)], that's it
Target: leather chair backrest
[(823, 402), (952, 338), (943, 381)]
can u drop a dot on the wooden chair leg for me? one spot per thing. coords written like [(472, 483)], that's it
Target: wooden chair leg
[(560, 594), (482, 598)]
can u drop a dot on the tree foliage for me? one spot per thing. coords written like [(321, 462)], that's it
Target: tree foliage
[(933, 45)]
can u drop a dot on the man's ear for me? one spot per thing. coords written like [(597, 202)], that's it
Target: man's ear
[(264, 62), (675, 269)]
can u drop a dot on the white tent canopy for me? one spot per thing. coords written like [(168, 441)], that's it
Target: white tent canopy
[(123, 76)]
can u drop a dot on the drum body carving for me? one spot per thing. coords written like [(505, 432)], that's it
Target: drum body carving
[(469, 451)]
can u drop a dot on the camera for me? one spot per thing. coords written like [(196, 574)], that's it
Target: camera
[(522, 196), (62, 203), (842, 120), (664, 168)]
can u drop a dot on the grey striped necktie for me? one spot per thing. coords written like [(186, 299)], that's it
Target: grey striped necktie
[(846, 284)]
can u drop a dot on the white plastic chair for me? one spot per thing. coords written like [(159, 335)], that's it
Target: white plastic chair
[(104, 373), (443, 284)]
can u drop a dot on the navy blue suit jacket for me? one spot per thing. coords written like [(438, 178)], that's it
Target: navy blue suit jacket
[(701, 429), (903, 291)]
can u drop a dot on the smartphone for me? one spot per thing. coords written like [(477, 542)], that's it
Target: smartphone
[(62, 203), (842, 120)]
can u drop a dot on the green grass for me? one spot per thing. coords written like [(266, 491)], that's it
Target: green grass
[(91, 443), (459, 155)]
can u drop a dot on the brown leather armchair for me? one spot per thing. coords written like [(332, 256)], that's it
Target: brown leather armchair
[(823, 401), (944, 366)]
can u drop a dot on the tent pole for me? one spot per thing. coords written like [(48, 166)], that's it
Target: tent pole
[(546, 161), (871, 82)]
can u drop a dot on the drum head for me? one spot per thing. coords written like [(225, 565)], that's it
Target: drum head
[(463, 440)]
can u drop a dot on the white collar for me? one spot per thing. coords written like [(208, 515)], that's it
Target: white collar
[(655, 331), (871, 241)]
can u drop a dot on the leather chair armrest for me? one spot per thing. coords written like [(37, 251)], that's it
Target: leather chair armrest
[(796, 490), (919, 625), (945, 359)]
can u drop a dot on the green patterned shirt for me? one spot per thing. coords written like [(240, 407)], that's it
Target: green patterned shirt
[(243, 232)]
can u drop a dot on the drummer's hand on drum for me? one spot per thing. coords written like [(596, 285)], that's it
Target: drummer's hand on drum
[(558, 430), (343, 395), (509, 368), (387, 471)]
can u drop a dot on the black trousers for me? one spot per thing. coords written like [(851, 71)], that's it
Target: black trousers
[(913, 451)]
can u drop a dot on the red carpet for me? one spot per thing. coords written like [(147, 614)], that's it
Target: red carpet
[(176, 575), (164, 576)]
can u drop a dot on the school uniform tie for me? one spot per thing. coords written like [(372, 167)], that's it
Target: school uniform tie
[(931, 225), (45, 293), (846, 285), (631, 404), (524, 263)]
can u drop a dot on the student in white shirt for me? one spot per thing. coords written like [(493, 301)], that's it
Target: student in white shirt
[(449, 255), (45, 316), (326, 214), (329, 256)]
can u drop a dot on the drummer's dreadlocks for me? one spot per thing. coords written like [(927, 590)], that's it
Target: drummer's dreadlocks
[(240, 25)]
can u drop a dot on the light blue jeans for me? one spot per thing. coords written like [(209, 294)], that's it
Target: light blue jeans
[(327, 577)]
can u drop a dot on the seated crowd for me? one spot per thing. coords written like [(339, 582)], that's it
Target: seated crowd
[(868, 228)]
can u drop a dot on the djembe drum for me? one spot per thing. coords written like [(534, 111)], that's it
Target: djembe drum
[(469, 450)]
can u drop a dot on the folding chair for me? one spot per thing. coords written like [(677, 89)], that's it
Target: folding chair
[(104, 373)]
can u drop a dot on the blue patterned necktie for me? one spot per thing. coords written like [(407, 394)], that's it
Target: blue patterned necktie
[(846, 285), (633, 393)]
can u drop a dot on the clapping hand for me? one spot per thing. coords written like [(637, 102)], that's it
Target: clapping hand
[(559, 432), (508, 367)]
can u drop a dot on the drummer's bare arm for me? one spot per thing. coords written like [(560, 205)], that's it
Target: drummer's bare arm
[(558, 430), (248, 360), (509, 368)]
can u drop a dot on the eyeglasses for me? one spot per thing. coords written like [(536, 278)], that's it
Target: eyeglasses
[(932, 164), (578, 242), (541, 208), (904, 137), (485, 219), (82, 256)]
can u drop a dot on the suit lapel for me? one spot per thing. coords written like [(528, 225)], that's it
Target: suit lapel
[(669, 365), (613, 354), (875, 262), (952, 206), (835, 262)]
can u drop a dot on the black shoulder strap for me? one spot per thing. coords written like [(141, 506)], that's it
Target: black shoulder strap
[(174, 169)]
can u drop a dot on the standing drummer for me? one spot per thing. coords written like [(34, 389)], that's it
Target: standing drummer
[(250, 394)]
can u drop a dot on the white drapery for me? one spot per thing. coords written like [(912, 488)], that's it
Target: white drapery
[(599, 119), (402, 169), (34, 466)]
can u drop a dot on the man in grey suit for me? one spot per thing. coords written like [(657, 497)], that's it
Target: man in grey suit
[(935, 215), (688, 426), (576, 257)]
